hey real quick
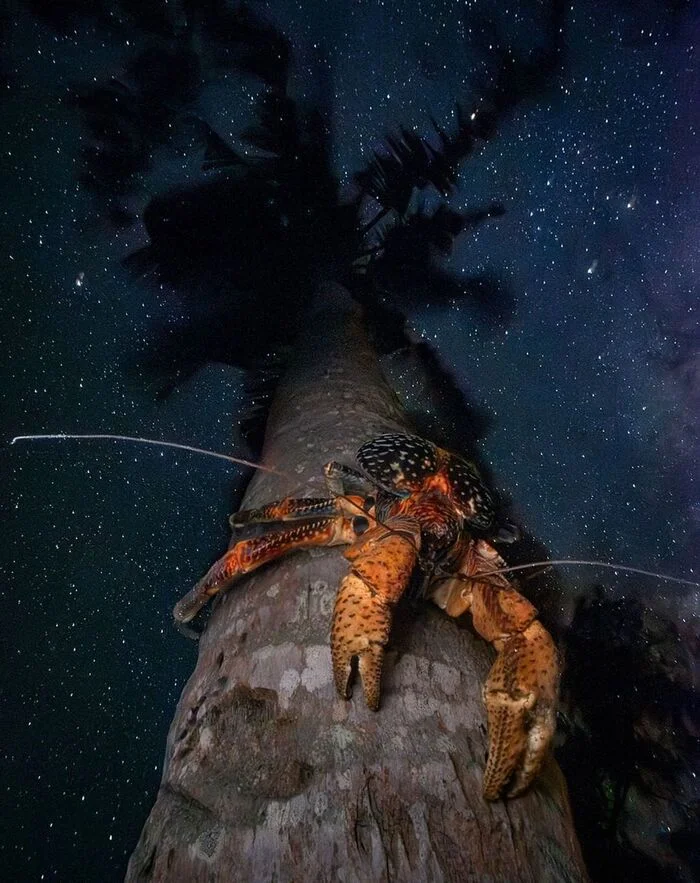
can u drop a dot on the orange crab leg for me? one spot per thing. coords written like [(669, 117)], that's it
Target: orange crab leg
[(382, 562), (247, 555), (521, 690), (297, 508)]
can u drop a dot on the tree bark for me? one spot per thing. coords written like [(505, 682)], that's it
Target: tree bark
[(268, 774)]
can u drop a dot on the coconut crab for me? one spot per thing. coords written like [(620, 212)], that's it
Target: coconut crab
[(421, 517)]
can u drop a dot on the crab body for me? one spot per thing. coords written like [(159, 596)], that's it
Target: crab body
[(421, 519)]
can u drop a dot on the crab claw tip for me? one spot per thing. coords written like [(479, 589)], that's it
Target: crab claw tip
[(360, 630), (521, 716)]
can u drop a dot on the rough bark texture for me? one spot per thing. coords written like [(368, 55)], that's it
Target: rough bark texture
[(268, 775)]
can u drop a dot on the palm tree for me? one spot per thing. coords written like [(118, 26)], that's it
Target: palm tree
[(268, 775)]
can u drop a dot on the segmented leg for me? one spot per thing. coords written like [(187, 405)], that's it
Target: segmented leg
[(382, 562), (340, 477), (248, 555), (296, 509), (521, 690)]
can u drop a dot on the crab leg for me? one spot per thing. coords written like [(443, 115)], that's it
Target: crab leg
[(339, 476), (521, 690), (248, 555), (382, 562), (296, 509)]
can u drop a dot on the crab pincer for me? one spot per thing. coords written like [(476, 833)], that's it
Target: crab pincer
[(381, 564), (521, 690), (520, 696)]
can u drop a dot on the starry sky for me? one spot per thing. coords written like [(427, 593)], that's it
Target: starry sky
[(591, 388)]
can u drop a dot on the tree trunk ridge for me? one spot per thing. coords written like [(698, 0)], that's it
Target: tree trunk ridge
[(268, 774)]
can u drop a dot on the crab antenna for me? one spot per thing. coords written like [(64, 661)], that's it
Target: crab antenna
[(149, 441), (611, 566)]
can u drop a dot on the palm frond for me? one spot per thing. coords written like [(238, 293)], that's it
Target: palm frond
[(407, 263), (407, 163), (248, 43), (282, 200), (218, 153), (277, 129)]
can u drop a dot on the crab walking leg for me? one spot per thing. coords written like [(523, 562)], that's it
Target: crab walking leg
[(521, 690), (338, 476), (248, 555), (382, 562), (297, 508)]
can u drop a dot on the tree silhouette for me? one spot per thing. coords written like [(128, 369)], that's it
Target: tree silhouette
[(632, 711), (281, 273)]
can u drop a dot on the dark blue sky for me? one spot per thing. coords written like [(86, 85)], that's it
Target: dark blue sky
[(592, 387)]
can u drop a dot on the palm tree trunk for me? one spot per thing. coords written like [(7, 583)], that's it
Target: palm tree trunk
[(268, 774)]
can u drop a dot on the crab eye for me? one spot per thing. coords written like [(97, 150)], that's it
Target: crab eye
[(359, 524)]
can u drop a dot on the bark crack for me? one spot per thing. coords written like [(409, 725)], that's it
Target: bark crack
[(183, 796), (378, 818)]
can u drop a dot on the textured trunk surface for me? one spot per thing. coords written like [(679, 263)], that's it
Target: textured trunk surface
[(268, 775)]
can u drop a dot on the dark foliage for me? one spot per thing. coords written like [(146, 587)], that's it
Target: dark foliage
[(218, 153), (409, 162), (410, 260), (277, 195), (126, 121), (632, 749), (118, 148), (153, 16), (245, 42)]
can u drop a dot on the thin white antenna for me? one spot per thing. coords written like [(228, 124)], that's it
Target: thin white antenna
[(149, 441), (241, 462), (565, 561)]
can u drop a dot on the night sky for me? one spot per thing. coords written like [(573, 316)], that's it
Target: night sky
[(591, 387)]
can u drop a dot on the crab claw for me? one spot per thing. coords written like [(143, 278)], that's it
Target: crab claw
[(361, 626), (382, 563), (520, 696), (521, 690)]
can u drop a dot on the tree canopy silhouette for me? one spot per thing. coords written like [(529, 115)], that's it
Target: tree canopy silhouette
[(386, 237)]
